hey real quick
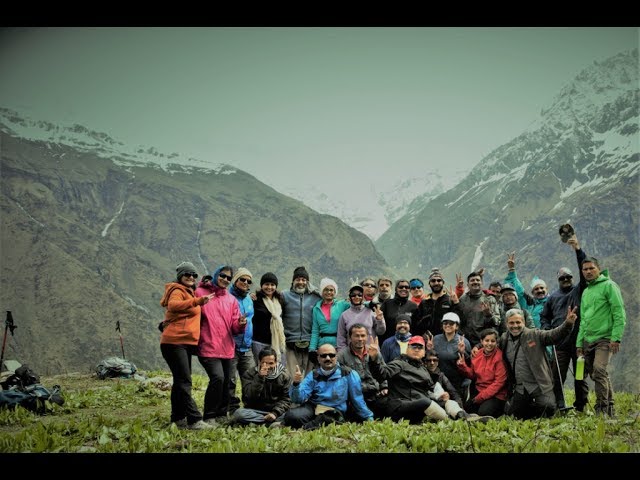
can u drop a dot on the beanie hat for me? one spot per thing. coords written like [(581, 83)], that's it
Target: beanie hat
[(507, 287), (326, 282), (269, 277), (416, 282), (184, 268), (435, 273), (405, 317), (537, 281), (564, 271), (242, 272), (300, 272)]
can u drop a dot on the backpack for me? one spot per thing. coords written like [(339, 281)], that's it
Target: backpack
[(114, 367), (23, 388), (21, 378)]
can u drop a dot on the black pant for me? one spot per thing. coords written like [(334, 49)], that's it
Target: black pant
[(530, 405), (178, 357), (216, 398), (581, 387)]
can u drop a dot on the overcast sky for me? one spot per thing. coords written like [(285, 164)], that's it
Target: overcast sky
[(288, 102)]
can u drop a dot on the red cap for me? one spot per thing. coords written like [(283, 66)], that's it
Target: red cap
[(417, 339)]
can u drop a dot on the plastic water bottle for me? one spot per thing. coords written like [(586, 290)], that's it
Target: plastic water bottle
[(580, 368)]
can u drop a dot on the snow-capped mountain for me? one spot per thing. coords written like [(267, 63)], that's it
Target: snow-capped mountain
[(378, 206)]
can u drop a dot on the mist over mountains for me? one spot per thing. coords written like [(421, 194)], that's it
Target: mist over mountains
[(93, 228)]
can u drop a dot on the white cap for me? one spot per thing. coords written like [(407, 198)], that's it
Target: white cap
[(452, 317)]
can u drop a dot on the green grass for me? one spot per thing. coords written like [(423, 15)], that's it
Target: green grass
[(125, 415)]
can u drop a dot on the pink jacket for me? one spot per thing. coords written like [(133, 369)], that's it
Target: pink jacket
[(219, 323)]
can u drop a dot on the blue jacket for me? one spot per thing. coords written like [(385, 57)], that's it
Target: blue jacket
[(245, 304), (333, 391)]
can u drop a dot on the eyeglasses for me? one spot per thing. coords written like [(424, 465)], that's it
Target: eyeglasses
[(352, 295), (225, 276), (370, 285), (432, 360), (416, 346), (327, 355), (436, 280), (190, 274), (564, 279), (403, 287), (245, 280)]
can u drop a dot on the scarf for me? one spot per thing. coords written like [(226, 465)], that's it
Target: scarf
[(273, 375), (403, 337), (278, 342)]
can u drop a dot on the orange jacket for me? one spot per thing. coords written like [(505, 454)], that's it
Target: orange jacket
[(182, 317)]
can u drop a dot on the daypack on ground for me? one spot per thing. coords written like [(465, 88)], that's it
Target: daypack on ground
[(114, 367), (23, 388)]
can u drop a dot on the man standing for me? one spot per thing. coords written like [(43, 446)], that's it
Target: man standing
[(479, 310), (434, 306), (393, 307), (384, 290), (600, 333), (297, 318), (552, 315)]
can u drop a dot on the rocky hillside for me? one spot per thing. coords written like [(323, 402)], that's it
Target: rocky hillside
[(91, 232)]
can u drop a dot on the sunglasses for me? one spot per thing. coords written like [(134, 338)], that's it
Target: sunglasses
[(245, 280), (403, 287), (225, 276), (432, 360), (416, 288), (564, 279), (327, 355), (370, 285), (191, 274), (353, 295), (416, 346), (436, 280)]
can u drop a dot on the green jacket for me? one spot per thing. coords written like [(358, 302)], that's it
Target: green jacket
[(601, 311)]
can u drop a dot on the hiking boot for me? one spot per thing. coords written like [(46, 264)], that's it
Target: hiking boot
[(462, 415), (474, 417), (199, 425), (182, 423)]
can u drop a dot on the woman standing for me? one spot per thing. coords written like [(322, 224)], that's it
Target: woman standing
[(221, 320), (179, 342), (268, 330), (325, 316)]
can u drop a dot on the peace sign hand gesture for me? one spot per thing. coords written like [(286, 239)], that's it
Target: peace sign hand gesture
[(511, 260), (297, 376), (374, 347)]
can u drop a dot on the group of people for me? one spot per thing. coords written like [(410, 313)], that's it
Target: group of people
[(305, 357)]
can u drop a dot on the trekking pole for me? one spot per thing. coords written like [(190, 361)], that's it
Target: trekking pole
[(121, 342), (8, 325), (555, 356)]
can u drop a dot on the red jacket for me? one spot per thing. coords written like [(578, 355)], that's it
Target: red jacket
[(490, 374)]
